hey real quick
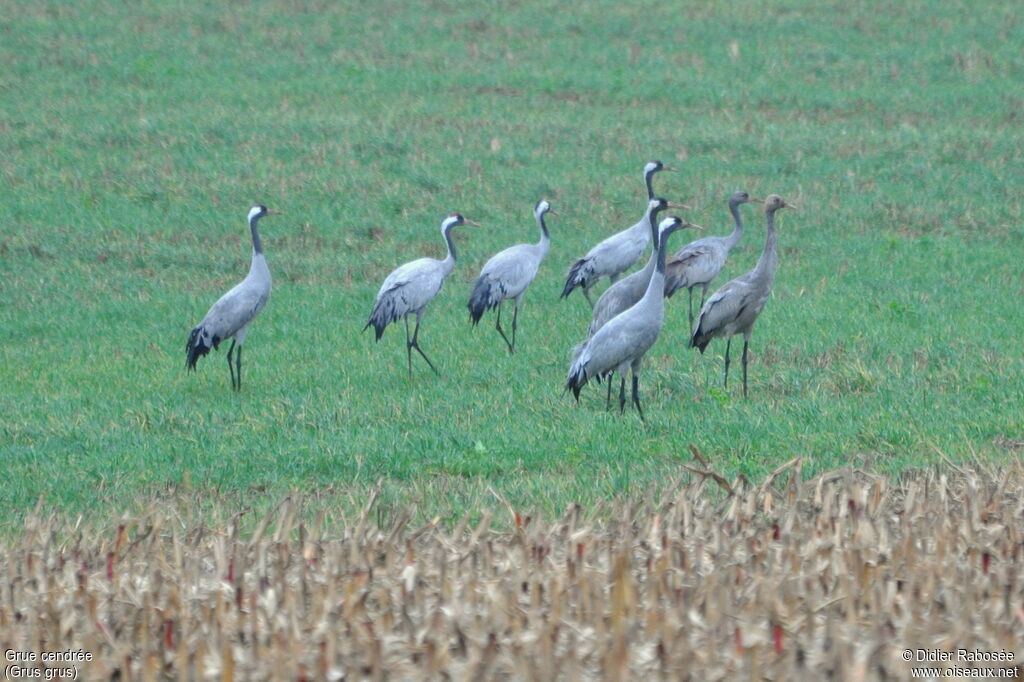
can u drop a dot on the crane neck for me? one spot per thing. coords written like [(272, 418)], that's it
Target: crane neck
[(656, 286), (257, 244), (648, 176), (662, 250), (657, 253), (737, 231), (449, 260), (545, 236), (769, 259), (652, 221)]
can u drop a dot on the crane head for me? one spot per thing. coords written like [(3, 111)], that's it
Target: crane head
[(741, 197), (660, 204), (543, 207), (454, 219), (774, 202), (672, 223), (259, 211), (655, 166)]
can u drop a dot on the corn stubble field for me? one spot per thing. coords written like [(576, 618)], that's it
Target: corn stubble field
[(829, 577)]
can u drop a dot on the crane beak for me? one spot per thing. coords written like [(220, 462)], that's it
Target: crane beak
[(467, 221), (694, 226), (756, 200), (275, 212), (669, 168), (552, 211), (673, 204), (792, 206)]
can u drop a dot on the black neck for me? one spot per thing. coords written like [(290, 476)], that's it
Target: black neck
[(662, 250), (257, 245), (652, 219), (543, 226), (448, 240), (647, 180)]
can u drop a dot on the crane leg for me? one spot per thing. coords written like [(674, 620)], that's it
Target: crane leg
[(690, 289), (231, 368), (703, 293), (416, 345), (515, 319), (408, 344), (586, 295), (744, 368), (727, 344), (622, 394), (608, 401), (497, 325), (636, 397)]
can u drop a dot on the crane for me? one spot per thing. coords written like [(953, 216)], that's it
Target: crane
[(626, 292), (617, 253), (230, 316), (409, 289), (700, 261), (621, 343), (734, 308), (507, 275)]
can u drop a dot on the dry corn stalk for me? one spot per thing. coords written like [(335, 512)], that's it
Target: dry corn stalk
[(830, 578)]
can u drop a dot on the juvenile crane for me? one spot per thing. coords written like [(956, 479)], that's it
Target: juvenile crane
[(409, 289), (627, 291), (617, 253), (621, 344), (507, 275), (734, 308), (230, 316), (700, 261)]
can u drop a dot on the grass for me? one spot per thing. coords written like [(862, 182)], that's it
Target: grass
[(133, 141)]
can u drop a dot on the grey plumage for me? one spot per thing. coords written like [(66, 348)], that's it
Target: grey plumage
[(627, 291), (410, 287), (735, 307), (230, 316), (507, 275), (621, 344), (700, 261), (617, 253)]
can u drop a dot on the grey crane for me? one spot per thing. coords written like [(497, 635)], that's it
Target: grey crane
[(617, 253), (507, 275), (230, 316), (409, 289), (627, 291), (734, 308), (621, 344), (700, 261)]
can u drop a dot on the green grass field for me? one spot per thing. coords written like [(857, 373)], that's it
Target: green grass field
[(134, 140)]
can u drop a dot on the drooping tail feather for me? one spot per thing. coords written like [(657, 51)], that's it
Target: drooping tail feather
[(700, 339), (577, 375), (677, 272), (578, 276), (196, 347), (674, 281), (383, 314), (481, 299)]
